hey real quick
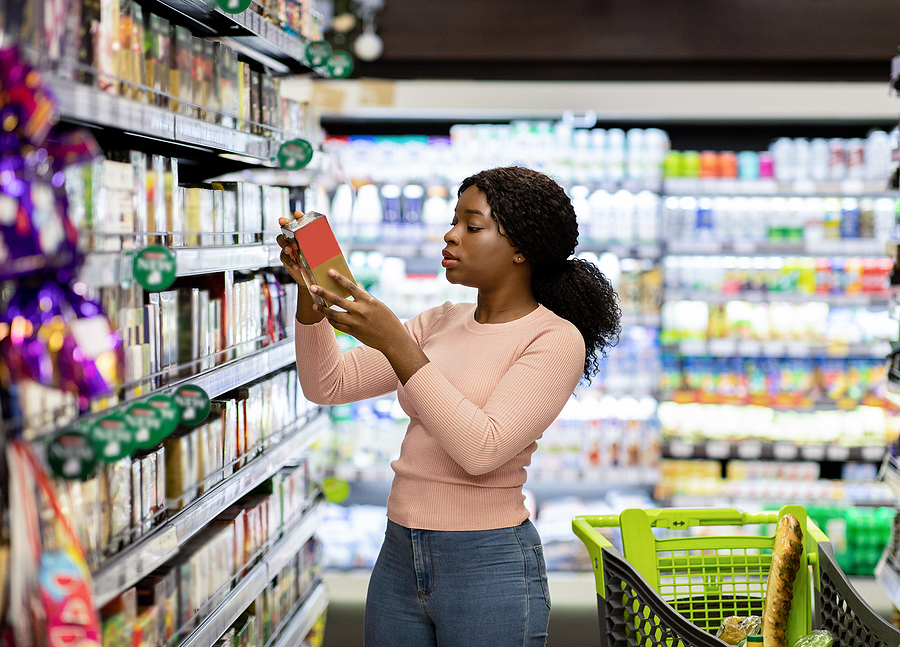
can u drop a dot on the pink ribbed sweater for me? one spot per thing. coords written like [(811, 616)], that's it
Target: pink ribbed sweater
[(476, 409)]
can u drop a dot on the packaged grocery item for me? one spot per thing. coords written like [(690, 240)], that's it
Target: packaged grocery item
[(319, 253), (818, 638), (736, 629), (181, 64)]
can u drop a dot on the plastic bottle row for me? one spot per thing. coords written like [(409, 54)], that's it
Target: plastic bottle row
[(793, 159), (809, 220), (595, 155), (813, 323), (858, 427), (778, 275), (786, 382), (143, 57), (130, 192)]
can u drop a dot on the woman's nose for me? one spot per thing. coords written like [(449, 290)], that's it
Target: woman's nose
[(451, 236)]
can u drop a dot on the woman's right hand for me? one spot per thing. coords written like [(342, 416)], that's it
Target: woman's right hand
[(291, 260)]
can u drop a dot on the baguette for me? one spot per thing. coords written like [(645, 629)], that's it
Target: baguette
[(780, 587)]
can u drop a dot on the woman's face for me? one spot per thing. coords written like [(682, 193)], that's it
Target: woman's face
[(477, 254)]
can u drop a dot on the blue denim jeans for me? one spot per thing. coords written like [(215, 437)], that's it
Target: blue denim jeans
[(483, 588)]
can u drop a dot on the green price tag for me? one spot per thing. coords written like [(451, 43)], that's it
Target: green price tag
[(113, 437), (194, 403), (335, 489), (339, 64), (317, 53), (147, 424), (154, 268), (169, 412), (233, 6), (295, 154), (71, 455)]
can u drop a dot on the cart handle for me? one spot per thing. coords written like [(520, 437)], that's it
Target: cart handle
[(687, 517)]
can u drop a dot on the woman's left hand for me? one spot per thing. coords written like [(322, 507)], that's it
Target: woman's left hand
[(363, 316)]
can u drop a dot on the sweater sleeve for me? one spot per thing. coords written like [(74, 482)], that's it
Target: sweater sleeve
[(329, 376), (524, 404)]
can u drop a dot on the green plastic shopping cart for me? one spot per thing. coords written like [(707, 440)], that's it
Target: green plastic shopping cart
[(673, 588)]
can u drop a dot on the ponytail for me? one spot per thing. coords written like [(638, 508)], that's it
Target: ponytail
[(579, 292)]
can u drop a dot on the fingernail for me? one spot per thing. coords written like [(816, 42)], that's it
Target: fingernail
[(332, 273), (315, 306), (313, 289)]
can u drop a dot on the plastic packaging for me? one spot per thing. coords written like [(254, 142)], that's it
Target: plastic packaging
[(736, 629)]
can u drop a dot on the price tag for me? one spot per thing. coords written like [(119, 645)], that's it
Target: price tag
[(317, 53), (295, 154), (169, 412), (147, 424), (194, 403), (154, 268), (71, 455), (339, 64), (837, 453), (113, 437)]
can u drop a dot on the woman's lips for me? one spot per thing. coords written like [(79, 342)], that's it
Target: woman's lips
[(449, 259)]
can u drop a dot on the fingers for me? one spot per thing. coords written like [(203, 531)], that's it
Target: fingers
[(354, 289)]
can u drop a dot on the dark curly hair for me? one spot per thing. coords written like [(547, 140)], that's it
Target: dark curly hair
[(539, 220)]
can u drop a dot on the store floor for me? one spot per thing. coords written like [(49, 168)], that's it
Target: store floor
[(573, 620)]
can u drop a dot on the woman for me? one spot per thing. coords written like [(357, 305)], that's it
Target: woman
[(461, 563)]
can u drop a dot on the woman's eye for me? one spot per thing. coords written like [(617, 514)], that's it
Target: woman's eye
[(473, 229)]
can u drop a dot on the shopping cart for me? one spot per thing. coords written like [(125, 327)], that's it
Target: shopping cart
[(674, 591)]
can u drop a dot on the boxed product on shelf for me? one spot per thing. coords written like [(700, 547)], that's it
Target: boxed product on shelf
[(157, 58), (181, 68)]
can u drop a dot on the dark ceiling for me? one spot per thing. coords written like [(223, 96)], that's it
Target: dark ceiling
[(790, 40)]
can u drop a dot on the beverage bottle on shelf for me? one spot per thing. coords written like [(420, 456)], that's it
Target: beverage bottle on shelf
[(877, 156), (814, 212), (579, 195), (748, 165), (766, 166), (647, 208), (724, 218), (784, 159), (837, 162), (801, 159), (796, 219), (391, 213), (704, 227), (778, 219), (885, 215), (849, 226), (436, 213), (854, 158), (758, 219), (672, 226), (866, 218), (411, 215), (341, 212), (624, 217), (806, 282), (831, 222), (819, 154), (688, 206), (367, 214), (600, 228)]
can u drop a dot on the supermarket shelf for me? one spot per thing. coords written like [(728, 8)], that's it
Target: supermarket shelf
[(864, 300), (782, 451), (255, 582), (249, 28), (373, 486), (149, 553), (87, 104), (754, 348), (303, 619), (227, 377), (643, 319), (644, 250), (106, 269), (722, 186), (843, 247)]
